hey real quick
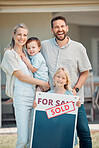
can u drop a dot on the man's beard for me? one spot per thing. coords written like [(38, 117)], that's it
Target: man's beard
[(60, 39)]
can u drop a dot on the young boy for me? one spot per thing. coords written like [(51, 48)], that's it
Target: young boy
[(37, 62)]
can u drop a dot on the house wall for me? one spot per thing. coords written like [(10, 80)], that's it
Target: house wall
[(38, 24), (87, 33), (74, 32)]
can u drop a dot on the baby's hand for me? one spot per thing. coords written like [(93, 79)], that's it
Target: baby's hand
[(78, 103), (34, 104)]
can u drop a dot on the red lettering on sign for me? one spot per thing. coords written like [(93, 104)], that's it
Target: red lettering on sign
[(44, 101), (63, 102), (61, 109), (39, 100), (66, 107), (50, 102), (52, 111), (57, 102), (57, 110)]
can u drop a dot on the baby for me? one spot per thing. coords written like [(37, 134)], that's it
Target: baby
[(37, 62)]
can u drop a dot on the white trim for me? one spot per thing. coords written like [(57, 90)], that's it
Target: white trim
[(47, 2), (46, 8)]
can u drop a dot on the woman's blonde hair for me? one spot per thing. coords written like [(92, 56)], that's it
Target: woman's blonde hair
[(11, 45), (68, 84)]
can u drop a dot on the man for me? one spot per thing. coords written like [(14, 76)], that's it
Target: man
[(61, 51)]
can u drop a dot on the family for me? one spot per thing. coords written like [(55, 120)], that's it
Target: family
[(58, 65)]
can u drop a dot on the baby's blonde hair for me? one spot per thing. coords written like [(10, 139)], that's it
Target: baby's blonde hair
[(68, 84)]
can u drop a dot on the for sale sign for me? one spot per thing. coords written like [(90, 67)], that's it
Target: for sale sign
[(54, 121)]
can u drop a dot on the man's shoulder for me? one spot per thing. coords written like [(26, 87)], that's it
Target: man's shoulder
[(47, 41), (76, 43)]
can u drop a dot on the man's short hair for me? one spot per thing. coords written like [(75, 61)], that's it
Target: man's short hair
[(58, 18)]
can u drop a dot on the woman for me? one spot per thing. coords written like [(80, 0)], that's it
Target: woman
[(20, 84)]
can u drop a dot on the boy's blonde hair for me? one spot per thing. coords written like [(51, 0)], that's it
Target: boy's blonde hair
[(68, 85)]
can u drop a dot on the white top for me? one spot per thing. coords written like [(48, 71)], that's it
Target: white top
[(38, 62), (10, 63), (72, 56), (23, 92)]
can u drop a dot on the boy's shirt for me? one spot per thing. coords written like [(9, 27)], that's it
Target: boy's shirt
[(38, 62)]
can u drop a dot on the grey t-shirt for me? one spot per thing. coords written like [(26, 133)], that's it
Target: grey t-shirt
[(72, 56)]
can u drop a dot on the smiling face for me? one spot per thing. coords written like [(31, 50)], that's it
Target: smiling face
[(60, 79), (60, 29), (20, 37), (32, 48)]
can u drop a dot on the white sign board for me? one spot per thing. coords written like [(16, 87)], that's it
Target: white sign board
[(54, 121)]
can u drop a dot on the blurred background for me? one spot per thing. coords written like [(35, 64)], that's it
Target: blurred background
[(83, 19)]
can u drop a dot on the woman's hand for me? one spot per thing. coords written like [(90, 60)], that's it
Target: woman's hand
[(34, 104), (45, 86)]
